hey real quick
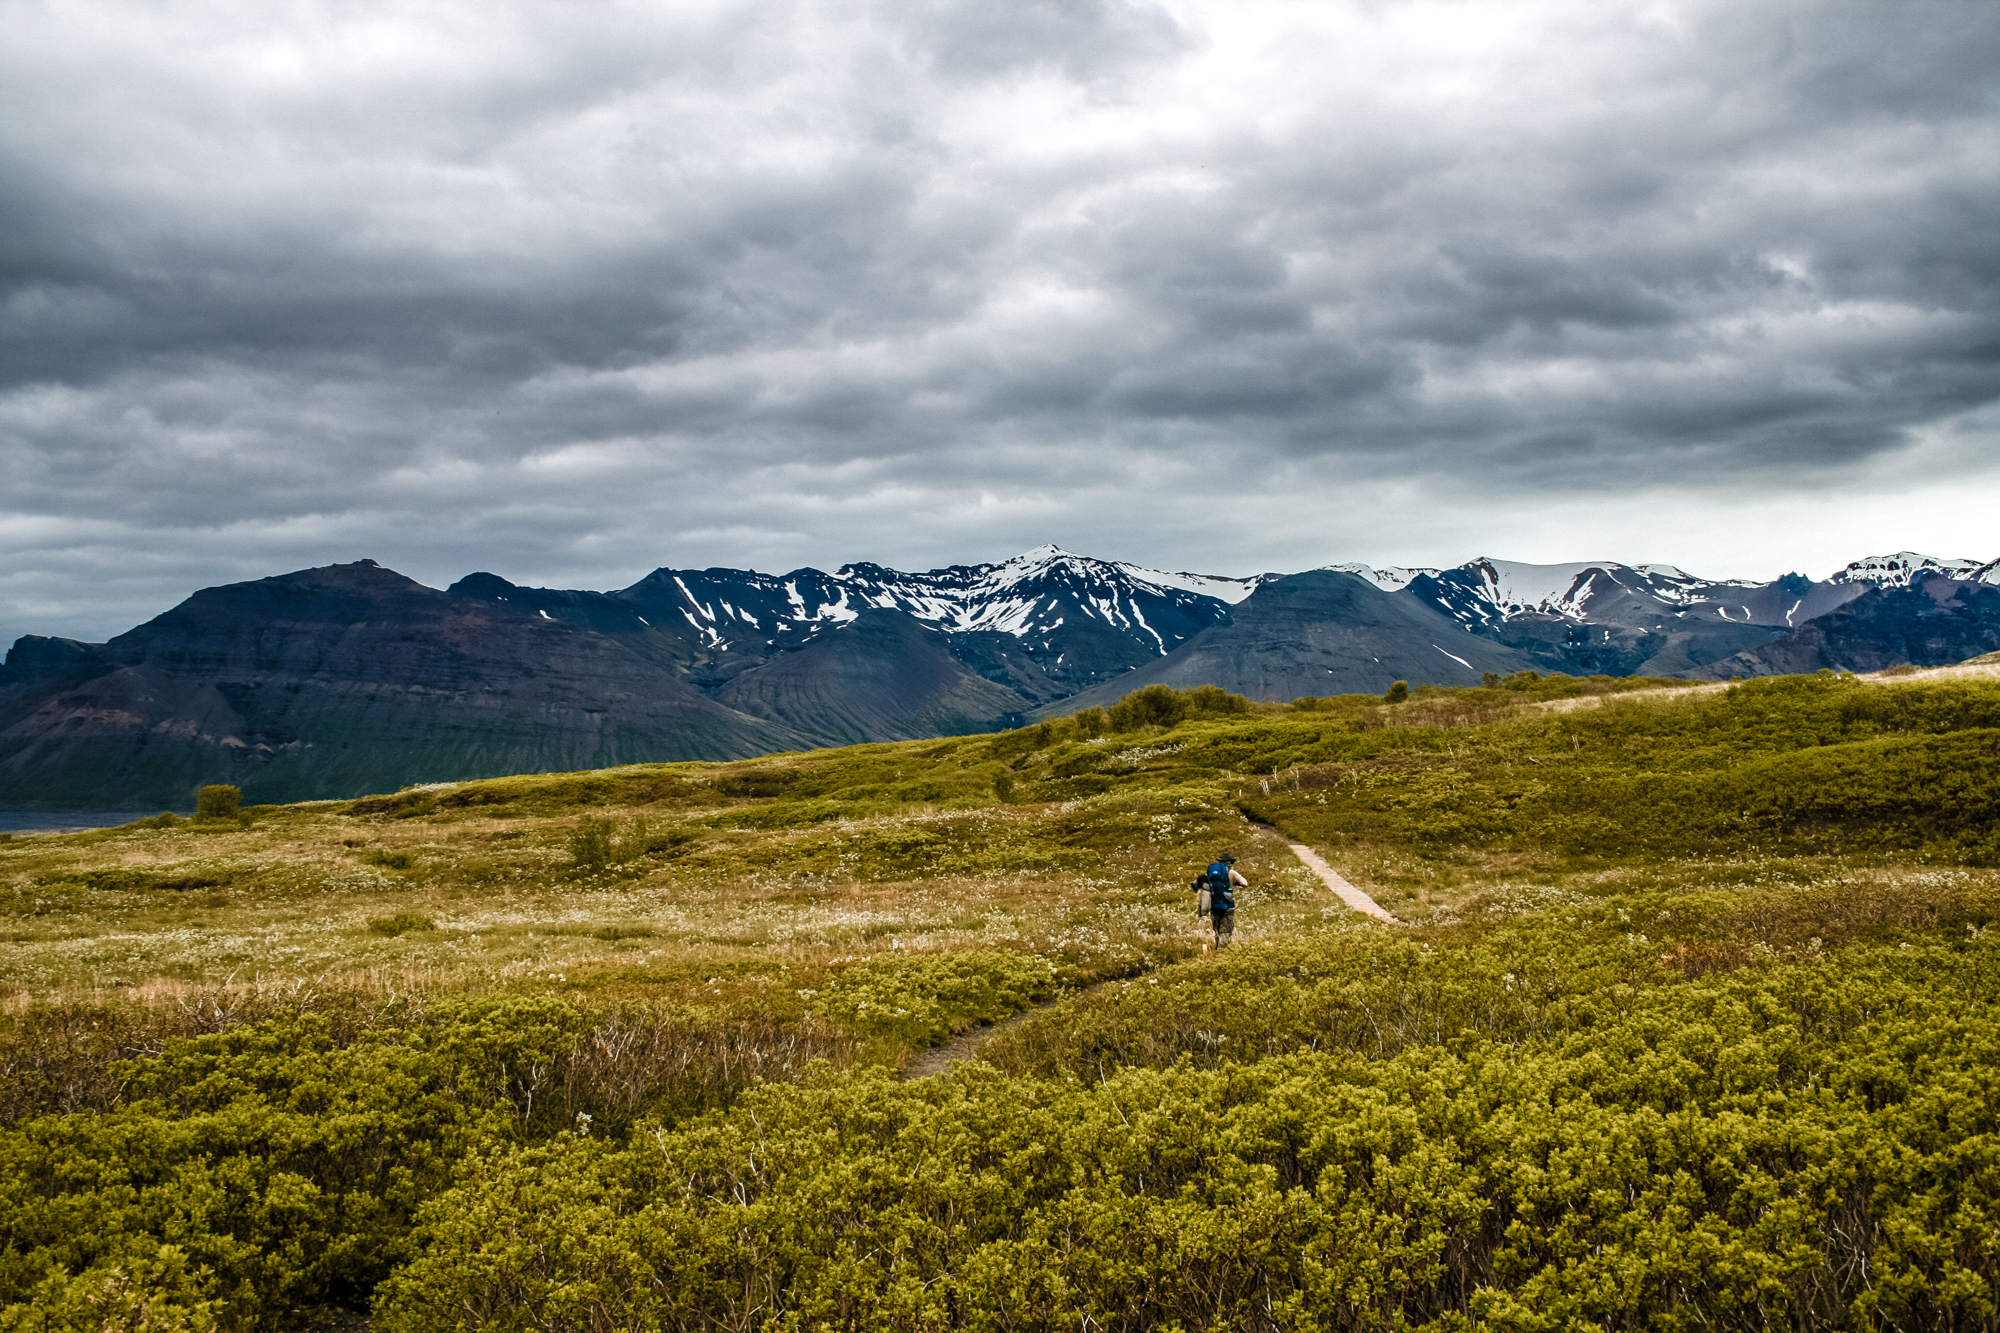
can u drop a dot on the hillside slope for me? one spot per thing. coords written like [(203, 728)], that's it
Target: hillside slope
[(881, 677), (342, 680), (1680, 968), (1933, 621), (1319, 633)]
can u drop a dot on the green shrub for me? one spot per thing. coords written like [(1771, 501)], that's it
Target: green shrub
[(597, 844), (1152, 706), (1397, 693), (592, 846), (1214, 701), (45, 897), (673, 842), (217, 802), (1799, 1147), (403, 805), (762, 783), (284, 1170), (145, 1287), (130, 879), (921, 999), (1022, 741), (401, 923)]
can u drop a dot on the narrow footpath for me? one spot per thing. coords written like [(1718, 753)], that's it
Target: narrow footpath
[(1342, 890), (966, 1045)]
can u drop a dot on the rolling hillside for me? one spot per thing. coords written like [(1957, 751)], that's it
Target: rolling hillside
[(1695, 1015)]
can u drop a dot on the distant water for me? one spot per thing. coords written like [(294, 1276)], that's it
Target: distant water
[(67, 821)]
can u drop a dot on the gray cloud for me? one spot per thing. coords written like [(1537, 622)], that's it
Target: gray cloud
[(570, 291)]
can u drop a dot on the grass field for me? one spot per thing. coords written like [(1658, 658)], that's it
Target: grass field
[(1692, 1026)]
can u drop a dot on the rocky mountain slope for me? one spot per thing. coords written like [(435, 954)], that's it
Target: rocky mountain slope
[(334, 681), (1613, 619), (1931, 621), (882, 676), (1643, 620), (1321, 632)]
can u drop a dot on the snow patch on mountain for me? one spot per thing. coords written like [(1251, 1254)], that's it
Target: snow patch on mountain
[(1389, 578), (1896, 571), (1042, 562), (1218, 586), (1515, 586)]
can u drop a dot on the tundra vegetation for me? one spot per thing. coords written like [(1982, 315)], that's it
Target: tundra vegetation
[(1694, 1026)]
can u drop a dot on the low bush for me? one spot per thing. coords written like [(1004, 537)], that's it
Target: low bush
[(217, 802), (1807, 1146), (259, 1176), (597, 844), (919, 1001)]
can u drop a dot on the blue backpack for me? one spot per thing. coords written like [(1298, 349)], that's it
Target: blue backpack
[(1221, 898)]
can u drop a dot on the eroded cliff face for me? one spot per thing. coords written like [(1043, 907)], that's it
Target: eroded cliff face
[(339, 681)]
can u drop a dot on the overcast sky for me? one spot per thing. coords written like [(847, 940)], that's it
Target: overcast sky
[(568, 291)]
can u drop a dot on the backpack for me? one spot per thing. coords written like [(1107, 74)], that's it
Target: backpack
[(1212, 889)]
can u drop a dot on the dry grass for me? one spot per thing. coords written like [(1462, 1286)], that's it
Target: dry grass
[(1985, 667), (742, 926)]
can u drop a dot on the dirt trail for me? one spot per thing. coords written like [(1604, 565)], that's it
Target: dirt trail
[(965, 1046), (1342, 890)]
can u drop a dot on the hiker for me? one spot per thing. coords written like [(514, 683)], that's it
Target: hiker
[(1216, 889)]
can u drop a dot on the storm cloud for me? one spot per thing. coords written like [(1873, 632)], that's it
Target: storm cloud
[(568, 291)]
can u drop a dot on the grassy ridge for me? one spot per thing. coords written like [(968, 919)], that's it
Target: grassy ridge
[(1695, 1026)]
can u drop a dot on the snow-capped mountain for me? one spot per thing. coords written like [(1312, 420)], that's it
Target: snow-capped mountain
[(1645, 619), (1896, 571), (1027, 597), (1047, 623), (1486, 591)]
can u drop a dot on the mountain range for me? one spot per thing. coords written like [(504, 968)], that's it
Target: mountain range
[(346, 679)]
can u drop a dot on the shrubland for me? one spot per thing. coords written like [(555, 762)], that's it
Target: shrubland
[(1694, 1025)]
